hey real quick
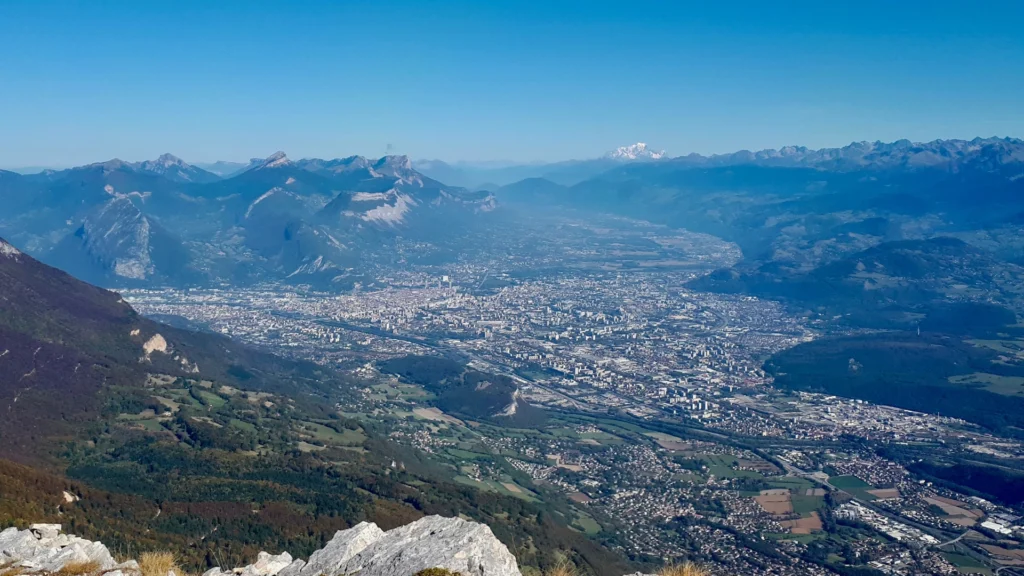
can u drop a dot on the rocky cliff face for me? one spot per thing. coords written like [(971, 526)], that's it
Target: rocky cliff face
[(468, 548)]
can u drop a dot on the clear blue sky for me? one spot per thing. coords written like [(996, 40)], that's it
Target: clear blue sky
[(497, 79)]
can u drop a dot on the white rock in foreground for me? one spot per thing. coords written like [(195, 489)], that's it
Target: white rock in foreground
[(341, 549), (42, 548), (468, 548)]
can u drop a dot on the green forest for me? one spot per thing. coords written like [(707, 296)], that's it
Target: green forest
[(921, 372)]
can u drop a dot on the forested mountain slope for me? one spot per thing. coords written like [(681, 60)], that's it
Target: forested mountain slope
[(173, 439)]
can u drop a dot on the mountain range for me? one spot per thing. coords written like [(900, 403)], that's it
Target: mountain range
[(327, 223), (887, 224), (902, 154), (488, 175), (168, 222)]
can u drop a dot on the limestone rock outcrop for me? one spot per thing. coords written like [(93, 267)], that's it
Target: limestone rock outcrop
[(469, 548), (461, 546), (43, 548)]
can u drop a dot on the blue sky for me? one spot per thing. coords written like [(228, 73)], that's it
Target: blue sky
[(86, 81)]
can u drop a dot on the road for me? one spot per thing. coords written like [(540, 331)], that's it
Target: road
[(954, 540)]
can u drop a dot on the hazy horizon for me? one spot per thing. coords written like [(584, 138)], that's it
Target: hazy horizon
[(490, 163), (514, 81)]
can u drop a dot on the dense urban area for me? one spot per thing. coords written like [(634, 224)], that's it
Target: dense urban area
[(658, 422)]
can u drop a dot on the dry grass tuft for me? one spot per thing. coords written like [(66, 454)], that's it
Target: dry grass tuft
[(563, 568), (79, 569), (158, 564), (684, 569), (437, 572)]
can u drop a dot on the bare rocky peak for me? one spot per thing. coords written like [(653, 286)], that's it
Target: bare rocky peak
[(398, 167), (111, 165), (337, 165), (276, 159), (394, 162), (163, 162), (387, 165), (167, 165)]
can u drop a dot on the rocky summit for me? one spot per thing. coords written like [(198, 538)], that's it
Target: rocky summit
[(458, 545)]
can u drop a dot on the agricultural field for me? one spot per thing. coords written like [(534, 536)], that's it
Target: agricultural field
[(778, 504), (326, 436), (1005, 385), (853, 486), (795, 484), (669, 442), (400, 392), (587, 524), (806, 525), (806, 505), (966, 564), (1008, 347), (723, 466), (437, 415), (507, 488)]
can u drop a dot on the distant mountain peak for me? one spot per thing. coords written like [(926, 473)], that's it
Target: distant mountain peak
[(276, 159), (112, 164), (638, 151), (396, 162), (173, 168), (168, 159), (162, 164), (397, 167)]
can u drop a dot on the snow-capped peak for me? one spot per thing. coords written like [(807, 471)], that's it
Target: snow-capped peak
[(638, 151), (8, 251)]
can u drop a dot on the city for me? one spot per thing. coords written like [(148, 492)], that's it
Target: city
[(611, 356)]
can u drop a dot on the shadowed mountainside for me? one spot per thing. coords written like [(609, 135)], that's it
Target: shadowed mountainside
[(170, 438)]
